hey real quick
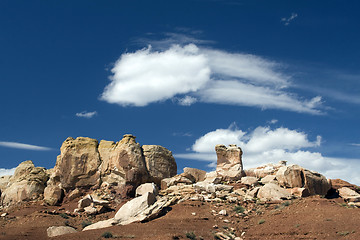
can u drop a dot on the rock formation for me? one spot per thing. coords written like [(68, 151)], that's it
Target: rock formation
[(229, 162), (27, 183), (78, 163), (159, 162), (124, 165)]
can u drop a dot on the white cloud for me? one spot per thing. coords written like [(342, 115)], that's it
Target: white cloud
[(187, 101), (189, 74), (149, 76), (4, 171), (287, 21), (238, 93), (23, 146), (273, 121), (86, 114), (264, 145)]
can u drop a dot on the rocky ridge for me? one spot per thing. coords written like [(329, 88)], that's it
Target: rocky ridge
[(102, 175)]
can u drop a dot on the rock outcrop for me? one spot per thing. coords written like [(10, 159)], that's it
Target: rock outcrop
[(229, 162), (159, 162), (124, 165), (27, 183), (295, 176), (78, 163)]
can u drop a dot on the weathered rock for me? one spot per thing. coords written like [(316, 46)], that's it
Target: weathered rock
[(199, 175), (182, 178), (74, 194), (268, 179), (146, 187), (316, 183), (85, 202), (349, 195), (101, 224), (27, 183), (263, 171), (250, 181), (229, 162), (53, 194), (290, 176), (131, 210), (273, 192), (252, 193), (212, 188), (90, 210), (77, 165), (212, 177), (59, 230), (300, 192), (160, 163), (123, 164)]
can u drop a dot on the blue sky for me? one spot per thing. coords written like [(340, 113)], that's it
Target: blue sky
[(278, 78)]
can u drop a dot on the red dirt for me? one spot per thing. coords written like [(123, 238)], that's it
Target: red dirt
[(307, 218)]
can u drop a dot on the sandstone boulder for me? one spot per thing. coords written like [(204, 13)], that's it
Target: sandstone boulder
[(229, 162), (145, 188), (123, 164), (159, 162), (250, 181), (27, 183), (290, 176), (53, 194), (131, 210), (349, 195), (77, 166), (273, 192), (199, 175), (268, 179), (316, 183), (59, 230)]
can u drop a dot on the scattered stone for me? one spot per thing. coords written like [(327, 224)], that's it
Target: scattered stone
[(223, 212), (59, 230), (3, 214)]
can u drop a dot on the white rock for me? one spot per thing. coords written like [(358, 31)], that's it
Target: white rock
[(59, 230), (223, 212), (134, 207), (146, 187)]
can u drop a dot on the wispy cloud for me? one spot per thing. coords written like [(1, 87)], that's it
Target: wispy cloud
[(287, 21), (264, 145), (192, 73), (24, 146), (86, 114), (355, 144)]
